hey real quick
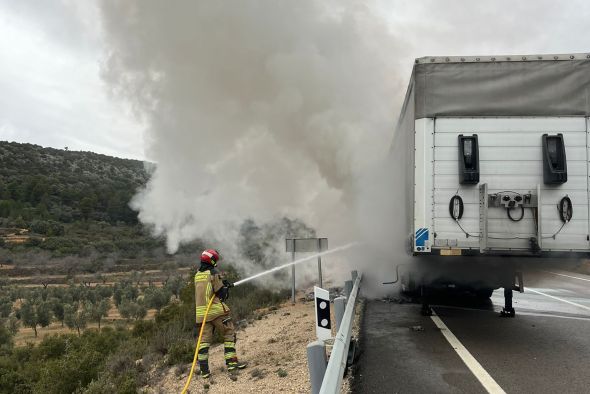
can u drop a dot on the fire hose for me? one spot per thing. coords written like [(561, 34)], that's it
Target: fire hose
[(190, 375)]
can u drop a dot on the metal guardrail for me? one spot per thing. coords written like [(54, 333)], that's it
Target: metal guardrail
[(332, 381)]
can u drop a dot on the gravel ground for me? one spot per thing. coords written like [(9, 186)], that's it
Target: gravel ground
[(272, 346)]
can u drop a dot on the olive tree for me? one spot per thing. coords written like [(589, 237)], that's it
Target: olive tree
[(75, 317), (35, 314), (97, 310)]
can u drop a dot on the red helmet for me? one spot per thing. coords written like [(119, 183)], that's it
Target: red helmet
[(210, 256)]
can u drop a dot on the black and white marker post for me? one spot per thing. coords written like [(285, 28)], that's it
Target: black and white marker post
[(323, 326)]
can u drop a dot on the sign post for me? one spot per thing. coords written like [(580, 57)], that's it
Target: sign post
[(305, 245), (293, 278), (320, 263)]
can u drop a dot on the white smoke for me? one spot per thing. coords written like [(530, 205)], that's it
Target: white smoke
[(256, 109), (267, 109)]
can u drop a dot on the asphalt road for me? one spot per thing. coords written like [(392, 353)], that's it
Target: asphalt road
[(544, 349)]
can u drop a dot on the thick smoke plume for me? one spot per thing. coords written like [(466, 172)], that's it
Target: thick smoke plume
[(269, 109), (255, 109)]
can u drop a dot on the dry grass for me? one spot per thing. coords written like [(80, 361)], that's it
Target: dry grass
[(155, 276), (27, 335)]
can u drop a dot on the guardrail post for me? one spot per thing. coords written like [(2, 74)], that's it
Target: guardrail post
[(347, 288), (339, 307), (316, 363)]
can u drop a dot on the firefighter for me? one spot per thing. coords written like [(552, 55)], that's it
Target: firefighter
[(208, 283)]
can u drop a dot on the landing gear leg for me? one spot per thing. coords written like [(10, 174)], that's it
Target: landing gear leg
[(508, 310), (426, 309)]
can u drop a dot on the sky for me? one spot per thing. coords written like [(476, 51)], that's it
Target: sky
[(52, 92)]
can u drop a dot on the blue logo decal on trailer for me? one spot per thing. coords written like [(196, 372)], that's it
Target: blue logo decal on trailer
[(421, 237)]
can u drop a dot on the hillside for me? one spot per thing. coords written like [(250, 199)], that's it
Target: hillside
[(65, 203), (39, 183)]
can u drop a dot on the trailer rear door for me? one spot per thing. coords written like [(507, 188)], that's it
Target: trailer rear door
[(510, 159)]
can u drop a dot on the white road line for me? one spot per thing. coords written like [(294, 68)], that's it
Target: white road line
[(553, 315), (567, 276), (520, 312), (474, 366), (559, 299)]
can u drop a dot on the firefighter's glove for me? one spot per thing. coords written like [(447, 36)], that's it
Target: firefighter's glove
[(196, 329), (223, 293), (227, 283)]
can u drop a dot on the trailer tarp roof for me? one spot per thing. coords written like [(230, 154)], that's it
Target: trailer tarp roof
[(516, 88)]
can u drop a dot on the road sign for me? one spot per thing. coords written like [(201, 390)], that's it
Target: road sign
[(306, 245), (323, 326)]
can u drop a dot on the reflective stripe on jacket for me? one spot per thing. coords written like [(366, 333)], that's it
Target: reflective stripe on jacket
[(206, 284)]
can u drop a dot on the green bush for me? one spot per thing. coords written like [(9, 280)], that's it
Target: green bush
[(183, 313), (70, 373), (282, 373), (181, 352), (13, 381), (23, 354), (127, 385), (5, 338), (167, 335), (245, 299), (52, 347), (144, 328), (103, 384)]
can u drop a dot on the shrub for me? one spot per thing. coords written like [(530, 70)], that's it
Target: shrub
[(282, 373), (181, 352), (23, 354), (5, 337), (100, 386), (69, 373), (51, 347), (143, 328), (167, 335), (13, 381), (5, 307), (245, 299), (120, 362)]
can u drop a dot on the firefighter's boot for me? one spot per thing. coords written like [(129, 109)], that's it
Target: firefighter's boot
[(234, 367), (203, 358), (231, 359)]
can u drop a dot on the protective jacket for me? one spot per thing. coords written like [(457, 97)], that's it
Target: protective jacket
[(208, 282)]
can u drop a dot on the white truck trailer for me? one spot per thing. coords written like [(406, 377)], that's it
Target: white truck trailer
[(494, 155)]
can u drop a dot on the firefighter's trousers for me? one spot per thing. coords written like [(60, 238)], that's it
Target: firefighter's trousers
[(224, 325)]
